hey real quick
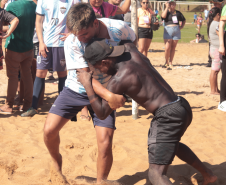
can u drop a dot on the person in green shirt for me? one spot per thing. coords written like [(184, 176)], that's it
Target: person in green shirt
[(19, 53), (222, 39)]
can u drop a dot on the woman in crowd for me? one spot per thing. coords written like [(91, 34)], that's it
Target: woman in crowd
[(145, 32), (106, 9), (222, 39), (172, 31), (212, 30)]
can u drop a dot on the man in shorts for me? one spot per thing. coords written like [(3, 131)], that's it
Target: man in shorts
[(50, 27), (133, 75), (82, 23)]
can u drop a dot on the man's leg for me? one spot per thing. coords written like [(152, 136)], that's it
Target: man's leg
[(59, 65), (105, 157), (43, 64), (12, 60), (25, 67), (53, 125), (39, 85), (62, 75), (185, 154), (157, 174)]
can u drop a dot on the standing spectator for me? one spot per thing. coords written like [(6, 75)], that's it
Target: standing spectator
[(8, 18), (195, 18), (172, 32), (105, 9), (212, 30), (50, 27), (145, 33), (206, 12), (199, 22), (5, 3), (118, 16), (222, 39), (216, 3), (19, 53)]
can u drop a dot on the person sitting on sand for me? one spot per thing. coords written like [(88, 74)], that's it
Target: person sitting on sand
[(133, 75), (199, 39)]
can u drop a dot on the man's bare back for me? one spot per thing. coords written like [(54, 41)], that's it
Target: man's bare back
[(133, 74)]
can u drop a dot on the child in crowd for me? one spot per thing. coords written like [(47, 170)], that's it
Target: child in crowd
[(199, 22), (195, 18), (213, 33)]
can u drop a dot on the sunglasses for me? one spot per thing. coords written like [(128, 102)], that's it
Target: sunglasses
[(145, 2)]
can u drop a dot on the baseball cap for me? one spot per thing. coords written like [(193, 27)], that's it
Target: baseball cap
[(98, 49), (172, 1)]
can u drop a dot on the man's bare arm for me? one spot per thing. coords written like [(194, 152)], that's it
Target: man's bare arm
[(114, 100), (3, 2), (39, 29), (124, 8), (100, 106)]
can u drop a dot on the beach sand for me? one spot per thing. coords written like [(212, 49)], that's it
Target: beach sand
[(24, 159)]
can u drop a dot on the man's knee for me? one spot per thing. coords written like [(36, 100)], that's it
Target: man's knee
[(41, 73), (50, 131)]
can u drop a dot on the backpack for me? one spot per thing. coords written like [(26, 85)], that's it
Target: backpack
[(154, 20)]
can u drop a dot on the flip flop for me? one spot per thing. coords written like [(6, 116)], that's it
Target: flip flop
[(85, 118)]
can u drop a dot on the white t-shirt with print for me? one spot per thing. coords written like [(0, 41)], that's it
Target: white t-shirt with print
[(55, 13), (74, 50)]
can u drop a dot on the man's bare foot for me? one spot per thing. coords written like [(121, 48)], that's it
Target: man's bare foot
[(57, 178), (215, 93), (57, 165), (210, 178)]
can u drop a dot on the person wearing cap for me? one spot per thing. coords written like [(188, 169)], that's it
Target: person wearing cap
[(222, 39), (134, 75), (83, 26), (172, 32)]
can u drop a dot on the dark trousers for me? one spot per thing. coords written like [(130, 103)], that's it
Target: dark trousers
[(209, 58), (223, 79)]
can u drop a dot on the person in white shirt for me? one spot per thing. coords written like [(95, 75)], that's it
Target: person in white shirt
[(50, 27), (84, 26)]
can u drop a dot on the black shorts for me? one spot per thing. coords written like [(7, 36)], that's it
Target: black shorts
[(145, 33), (167, 127), (36, 48)]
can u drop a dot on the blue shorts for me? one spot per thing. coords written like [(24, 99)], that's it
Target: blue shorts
[(69, 103), (55, 59), (172, 32)]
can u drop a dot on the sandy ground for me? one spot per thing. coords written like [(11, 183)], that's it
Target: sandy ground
[(24, 159)]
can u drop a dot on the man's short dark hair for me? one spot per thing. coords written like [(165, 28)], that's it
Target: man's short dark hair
[(80, 16)]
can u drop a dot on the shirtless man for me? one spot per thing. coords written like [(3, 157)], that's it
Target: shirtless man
[(134, 75)]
